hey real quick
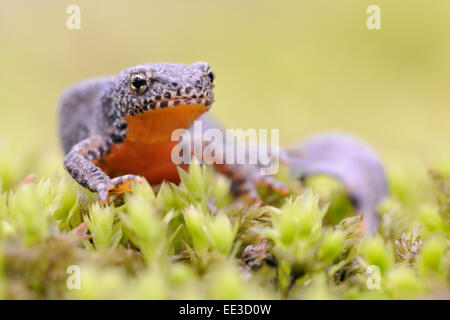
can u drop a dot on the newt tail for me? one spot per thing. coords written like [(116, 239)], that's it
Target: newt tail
[(350, 161)]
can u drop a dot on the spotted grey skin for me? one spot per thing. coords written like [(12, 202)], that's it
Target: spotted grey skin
[(92, 113), (160, 86), (98, 106)]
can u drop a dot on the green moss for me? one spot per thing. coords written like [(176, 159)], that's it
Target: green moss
[(192, 241)]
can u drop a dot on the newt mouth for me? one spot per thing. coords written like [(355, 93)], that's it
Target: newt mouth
[(175, 102)]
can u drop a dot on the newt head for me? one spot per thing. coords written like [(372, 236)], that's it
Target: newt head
[(148, 102)]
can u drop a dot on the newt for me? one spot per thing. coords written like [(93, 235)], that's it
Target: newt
[(117, 129)]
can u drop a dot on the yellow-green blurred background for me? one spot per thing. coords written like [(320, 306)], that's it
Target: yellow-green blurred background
[(300, 66)]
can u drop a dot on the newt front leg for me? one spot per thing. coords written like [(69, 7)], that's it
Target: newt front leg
[(79, 163), (123, 124)]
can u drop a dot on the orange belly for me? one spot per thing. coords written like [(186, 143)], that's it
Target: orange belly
[(152, 161), (147, 149)]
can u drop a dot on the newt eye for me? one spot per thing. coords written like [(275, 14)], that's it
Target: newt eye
[(211, 76), (138, 83)]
